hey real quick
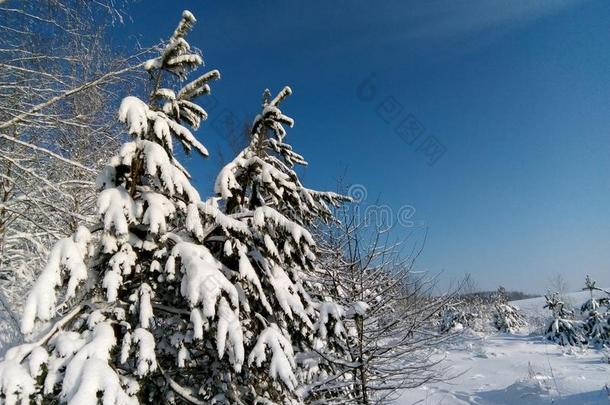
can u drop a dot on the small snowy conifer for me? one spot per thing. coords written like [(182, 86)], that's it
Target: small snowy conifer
[(506, 317), (596, 323), (562, 328)]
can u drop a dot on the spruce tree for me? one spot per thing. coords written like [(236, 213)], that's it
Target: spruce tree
[(562, 328), (593, 303), (101, 294), (506, 317), (261, 191), (596, 323)]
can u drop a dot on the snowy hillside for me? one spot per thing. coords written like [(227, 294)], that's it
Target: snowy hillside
[(533, 307), (524, 369)]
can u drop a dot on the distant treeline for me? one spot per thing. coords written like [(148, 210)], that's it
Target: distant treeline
[(488, 296)]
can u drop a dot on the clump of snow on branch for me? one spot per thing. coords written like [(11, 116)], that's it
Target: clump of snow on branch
[(282, 361), (88, 372), (147, 360), (203, 281), (121, 264), (66, 260)]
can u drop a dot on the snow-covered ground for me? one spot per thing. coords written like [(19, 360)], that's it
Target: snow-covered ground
[(506, 369), (518, 369)]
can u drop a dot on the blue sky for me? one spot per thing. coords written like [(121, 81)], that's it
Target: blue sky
[(517, 93)]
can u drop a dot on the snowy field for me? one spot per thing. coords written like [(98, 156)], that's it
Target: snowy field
[(518, 369), (503, 369)]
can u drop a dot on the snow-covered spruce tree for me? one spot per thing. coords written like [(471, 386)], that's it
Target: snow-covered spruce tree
[(593, 303), (474, 303), (596, 323), (597, 328), (104, 341), (506, 317), (260, 196), (562, 328)]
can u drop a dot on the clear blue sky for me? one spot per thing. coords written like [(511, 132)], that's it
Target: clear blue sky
[(518, 92)]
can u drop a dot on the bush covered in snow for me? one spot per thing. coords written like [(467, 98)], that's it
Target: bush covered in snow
[(452, 318)]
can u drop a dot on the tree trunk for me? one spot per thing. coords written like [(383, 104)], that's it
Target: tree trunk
[(361, 367)]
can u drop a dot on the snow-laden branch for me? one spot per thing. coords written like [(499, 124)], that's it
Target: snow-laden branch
[(46, 151), (19, 353), (66, 94), (184, 393)]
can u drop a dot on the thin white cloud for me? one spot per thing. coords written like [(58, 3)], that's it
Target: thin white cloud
[(441, 18)]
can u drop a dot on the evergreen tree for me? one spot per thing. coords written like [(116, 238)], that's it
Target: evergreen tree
[(99, 285), (562, 328), (506, 317), (261, 191), (593, 303), (596, 326), (172, 297)]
